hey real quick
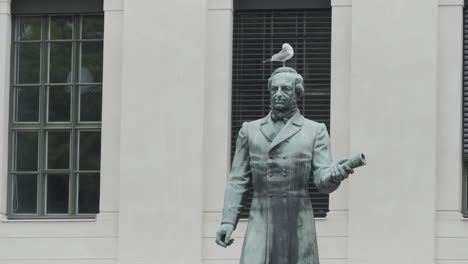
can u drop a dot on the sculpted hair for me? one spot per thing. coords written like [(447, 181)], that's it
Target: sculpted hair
[(298, 82)]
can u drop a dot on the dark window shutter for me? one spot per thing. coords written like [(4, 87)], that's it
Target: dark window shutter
[(280, 4), (257, 35), (465, 87), (465, 110)]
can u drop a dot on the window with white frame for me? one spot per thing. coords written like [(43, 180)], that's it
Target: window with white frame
[(55, 115)]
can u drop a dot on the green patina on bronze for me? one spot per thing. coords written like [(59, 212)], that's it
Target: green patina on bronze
[(279, 153)]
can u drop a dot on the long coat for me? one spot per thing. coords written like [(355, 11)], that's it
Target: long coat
[(281, 228)]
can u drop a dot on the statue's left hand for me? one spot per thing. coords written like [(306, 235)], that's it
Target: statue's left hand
[(340, 170)]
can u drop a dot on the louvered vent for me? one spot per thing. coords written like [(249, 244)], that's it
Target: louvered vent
[(257, 35)]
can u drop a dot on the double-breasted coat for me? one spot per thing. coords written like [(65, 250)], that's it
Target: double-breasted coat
[(281, 228)]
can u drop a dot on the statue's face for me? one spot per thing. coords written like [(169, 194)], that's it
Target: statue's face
[(283, 92)]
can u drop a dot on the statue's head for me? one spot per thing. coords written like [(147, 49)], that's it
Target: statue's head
[(285, 86)]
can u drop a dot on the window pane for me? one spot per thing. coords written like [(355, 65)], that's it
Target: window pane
[(88, 193), (27, 104), (24, 193), (90, 150), (26, 151), (61, 27), (29, 28), (28, 62), (90, 103), (58, 150), (91, 62), (59, 99), (57, 193), (92, 27), (60, 62)]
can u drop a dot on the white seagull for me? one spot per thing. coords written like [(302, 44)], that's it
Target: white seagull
[(285, 54)]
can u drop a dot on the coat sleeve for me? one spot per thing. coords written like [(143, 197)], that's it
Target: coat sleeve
[(238, 179), (322, 162)]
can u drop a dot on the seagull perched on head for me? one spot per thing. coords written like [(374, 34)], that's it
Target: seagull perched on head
[(285, 54)]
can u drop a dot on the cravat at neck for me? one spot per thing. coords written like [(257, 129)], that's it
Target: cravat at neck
[(283, 115)]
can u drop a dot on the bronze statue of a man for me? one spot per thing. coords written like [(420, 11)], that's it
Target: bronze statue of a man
[(278, 153)]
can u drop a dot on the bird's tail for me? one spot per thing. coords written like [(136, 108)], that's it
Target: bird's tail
[(266, 60)]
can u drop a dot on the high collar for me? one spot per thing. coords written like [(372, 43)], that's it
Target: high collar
[(293, 125)]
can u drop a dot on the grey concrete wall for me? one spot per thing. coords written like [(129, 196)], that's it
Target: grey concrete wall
[(396, 96), (393, 109), (162, 117), (451, 228)]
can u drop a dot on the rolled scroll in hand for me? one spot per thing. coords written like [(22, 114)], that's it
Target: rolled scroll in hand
[(356, 161)]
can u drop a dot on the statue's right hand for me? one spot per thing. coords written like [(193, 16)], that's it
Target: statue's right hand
[(223, 236)]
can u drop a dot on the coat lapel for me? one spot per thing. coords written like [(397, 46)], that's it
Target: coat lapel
[(293, 126), (267, 128)]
